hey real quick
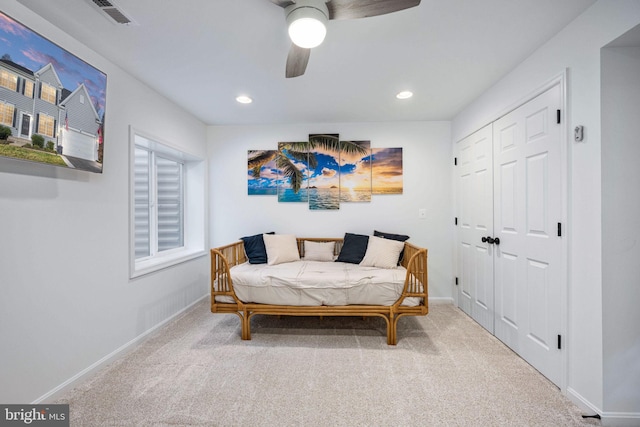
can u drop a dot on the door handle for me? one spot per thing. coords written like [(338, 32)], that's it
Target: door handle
[(490, 240)]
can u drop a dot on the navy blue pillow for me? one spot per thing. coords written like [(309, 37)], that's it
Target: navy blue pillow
[(354, 246), (398, 237), (254, 248)]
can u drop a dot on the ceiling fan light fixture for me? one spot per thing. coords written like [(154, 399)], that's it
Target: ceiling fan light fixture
[(307, 22)]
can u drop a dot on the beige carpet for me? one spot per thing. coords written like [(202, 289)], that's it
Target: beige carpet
[(445, 371)]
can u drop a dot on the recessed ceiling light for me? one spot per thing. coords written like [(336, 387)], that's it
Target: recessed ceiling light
[(243, 99), (405, 94)]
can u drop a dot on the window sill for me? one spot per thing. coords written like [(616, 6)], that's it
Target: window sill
[(140, 268)]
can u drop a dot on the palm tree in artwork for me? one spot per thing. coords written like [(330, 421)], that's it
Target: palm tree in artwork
[(300, 151)]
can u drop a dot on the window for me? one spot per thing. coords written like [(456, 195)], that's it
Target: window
[(48, 93), (6, 114), (46, 125), (28, 88), (159, 206), (8, 80), (164, 229)]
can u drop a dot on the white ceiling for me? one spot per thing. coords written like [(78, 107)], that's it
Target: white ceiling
[(204, 53)]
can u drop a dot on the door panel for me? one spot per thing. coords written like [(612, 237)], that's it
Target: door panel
[(464, 286), (484, 286), (465, 249), (537, 290), (508, 176), (475, 206), (537, 197), (527, 206)]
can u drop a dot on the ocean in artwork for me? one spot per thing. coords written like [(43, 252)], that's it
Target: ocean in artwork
[(318, 198), (324, 198), (287, 195), (262, 191), (355, 195)]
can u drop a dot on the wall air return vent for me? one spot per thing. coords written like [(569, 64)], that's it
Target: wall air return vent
[(113, 12)]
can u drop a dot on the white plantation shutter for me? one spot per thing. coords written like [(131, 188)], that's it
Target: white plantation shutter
[(163, 230), (170, 206), (142, 199), (159, 209)]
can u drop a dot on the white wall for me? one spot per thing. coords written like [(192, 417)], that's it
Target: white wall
[(427, 161), (621, 227), (67, 301), (576, 48)]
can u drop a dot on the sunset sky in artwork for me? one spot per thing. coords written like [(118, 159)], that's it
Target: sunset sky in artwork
[(387, 170), (355, 169)]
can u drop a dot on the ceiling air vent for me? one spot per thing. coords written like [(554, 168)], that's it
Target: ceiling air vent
[(113, 12)]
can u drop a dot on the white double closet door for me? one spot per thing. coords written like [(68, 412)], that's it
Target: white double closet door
[(509, 251)]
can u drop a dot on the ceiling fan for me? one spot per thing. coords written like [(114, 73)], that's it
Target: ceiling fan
[(306, 20)]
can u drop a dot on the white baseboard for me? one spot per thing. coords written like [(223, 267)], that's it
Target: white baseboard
[(614, 419), (621, 419), (581, 402), (585, 406), (116, 354)]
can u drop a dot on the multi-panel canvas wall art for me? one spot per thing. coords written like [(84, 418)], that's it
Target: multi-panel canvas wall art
[(52, 103), (324, 171)]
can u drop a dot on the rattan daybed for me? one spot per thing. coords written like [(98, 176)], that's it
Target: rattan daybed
[(412, 294)]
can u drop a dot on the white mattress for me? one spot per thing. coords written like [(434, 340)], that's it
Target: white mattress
[(314, 283)]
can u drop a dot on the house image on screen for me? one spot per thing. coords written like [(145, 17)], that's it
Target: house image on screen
[(79, 133), (37, 103)]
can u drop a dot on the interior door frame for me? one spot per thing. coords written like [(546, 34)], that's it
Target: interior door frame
[(565, 155)]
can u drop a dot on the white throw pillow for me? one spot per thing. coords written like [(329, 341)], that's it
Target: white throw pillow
[(318, 251), (281, 248), (382, 253)]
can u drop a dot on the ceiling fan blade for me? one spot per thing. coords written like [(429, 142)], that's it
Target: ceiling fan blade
[(297, 61), (353, 9), (282, 3)]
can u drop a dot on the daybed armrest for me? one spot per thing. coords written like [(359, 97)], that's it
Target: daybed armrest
[(222, 259), (416, 279)]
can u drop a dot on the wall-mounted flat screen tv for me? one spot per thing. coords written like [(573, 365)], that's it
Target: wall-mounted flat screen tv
[(52, 103)]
